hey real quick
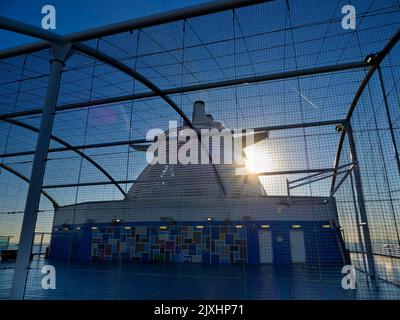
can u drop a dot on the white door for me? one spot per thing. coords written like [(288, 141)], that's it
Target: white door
[(265, 244), (297, 247)]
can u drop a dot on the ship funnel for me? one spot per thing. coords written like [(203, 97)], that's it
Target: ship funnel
[(199, 113)]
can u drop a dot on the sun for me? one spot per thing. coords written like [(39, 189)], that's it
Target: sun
[(258, 161)]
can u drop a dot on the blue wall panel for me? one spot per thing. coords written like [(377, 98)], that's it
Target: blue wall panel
[(216, 243), (253, 245)]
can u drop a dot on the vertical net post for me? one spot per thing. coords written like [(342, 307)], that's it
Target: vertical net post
[(60, 53), (389, 119), (361, 204)]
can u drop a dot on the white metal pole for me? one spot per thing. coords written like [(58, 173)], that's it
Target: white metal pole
[(60, 52), (361, 204)]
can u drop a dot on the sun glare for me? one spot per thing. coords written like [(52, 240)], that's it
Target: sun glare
[(258, 161)]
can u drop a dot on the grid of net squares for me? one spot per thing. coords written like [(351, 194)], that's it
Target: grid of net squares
[(324, 188)]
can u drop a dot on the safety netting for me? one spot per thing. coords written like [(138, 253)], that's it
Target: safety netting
[(320, 191)]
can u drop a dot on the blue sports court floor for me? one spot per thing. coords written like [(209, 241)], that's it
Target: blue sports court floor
[(192, 281)]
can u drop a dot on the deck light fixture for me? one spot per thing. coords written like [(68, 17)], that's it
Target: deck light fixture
[(115, 222), (339, 128), (371, 58)]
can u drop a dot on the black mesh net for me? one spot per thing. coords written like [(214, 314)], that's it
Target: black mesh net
[(114, 228)]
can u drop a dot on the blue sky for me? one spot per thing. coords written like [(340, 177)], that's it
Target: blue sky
[(74, 15)]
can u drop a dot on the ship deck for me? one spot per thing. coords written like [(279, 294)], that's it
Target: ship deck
[(102, 280)]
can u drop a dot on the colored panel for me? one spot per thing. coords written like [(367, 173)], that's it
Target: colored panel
[(214, 258), (169, 245), (229, 239), (206, 257), (214, 233)]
